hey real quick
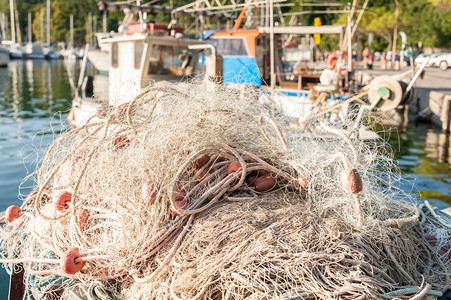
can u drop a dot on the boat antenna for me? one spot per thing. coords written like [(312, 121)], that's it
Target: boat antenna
[(240, 19)]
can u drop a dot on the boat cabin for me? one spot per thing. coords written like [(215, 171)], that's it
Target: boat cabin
[(137, 60), (246, 55)]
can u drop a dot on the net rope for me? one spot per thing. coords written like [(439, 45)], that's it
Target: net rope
[(196, 191)]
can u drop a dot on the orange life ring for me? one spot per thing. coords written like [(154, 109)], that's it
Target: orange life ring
[(71, 117), (332, 61)]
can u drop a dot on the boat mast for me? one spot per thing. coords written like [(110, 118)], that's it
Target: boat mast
[(30, 36), (104, 20), (89, 29), (19, 36), (71, 31), (13, 29), (2, 17), (48, 22), (271, 42), (41, 27)]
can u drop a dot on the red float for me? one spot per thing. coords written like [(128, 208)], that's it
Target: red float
[(12, 212), (303, 183), (70, 261), (71, 117), (200, 175), (149, 193), (443, 250), (203, 160), (178, 194), (62, 202), (180, 205), (432, 240), (233, 167), (265, 183), (351, 181), (332, 61), (120, 142)]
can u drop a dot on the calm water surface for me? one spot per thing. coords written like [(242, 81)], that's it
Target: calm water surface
[(35, 97)]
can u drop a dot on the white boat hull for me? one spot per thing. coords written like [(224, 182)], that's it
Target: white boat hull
[(16, 52), (33, 51), (4, 57), (295, 105), (100, 60)]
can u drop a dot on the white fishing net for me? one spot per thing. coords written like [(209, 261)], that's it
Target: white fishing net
[(195, 191)]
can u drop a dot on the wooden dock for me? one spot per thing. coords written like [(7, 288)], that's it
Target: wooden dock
[(440, 105)]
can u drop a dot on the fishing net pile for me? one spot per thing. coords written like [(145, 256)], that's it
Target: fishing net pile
[(193, 191)]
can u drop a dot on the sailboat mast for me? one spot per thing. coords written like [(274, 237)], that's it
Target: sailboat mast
[(30, 36), (41, 27), (19, 35), (13, 28), (104, 20), (90, 28), (48, 22), (271, 42), (71, 31), (3, 25)]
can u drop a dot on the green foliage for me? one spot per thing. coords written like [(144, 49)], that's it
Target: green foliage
[(59, 20), (421, 20), (428, 21)]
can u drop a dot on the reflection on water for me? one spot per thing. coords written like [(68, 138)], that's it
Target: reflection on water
[(438, 147), (424, 154), (32, 95), (34, 99)]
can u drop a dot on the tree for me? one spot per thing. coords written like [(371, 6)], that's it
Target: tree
[(428, 21)]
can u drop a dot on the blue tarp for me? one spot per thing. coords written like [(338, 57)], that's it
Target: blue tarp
[(241, 69), (207, 33)]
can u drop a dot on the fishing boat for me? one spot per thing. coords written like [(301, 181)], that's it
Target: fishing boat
[(142, 56), (248, 59), (99, 57), (137, 60), (33, 51)]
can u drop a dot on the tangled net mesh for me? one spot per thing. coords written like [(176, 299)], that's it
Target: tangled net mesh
[(195, 191)]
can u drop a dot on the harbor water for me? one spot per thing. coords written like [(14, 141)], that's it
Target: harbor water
[(35, 97)]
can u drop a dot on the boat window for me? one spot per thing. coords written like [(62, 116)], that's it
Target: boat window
[(230, 46), (168, 60), (139, 46), (114, 55)]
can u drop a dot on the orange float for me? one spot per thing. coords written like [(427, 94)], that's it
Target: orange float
[(178, 194), (12, 212), (265, 183), (120, 142), (71, 262), (180, 205), (71, 117), (351, 181), (149, 193), (233, 167), (200, 175), (303, 183), (203, 160), (62, 202)]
